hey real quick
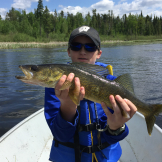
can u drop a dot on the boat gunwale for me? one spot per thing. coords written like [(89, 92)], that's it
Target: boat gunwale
[(3, 137)]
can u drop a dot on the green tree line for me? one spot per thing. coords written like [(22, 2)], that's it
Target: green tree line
[(56, 26)]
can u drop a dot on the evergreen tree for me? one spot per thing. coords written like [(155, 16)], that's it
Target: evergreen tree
[(98, 24), (132, 24), (148, 30), (105, 27), (7, 26), (117, 25), (1, 24), (141, 14), (88, 19), (47, 21), (71, 22), (161, 23), (31, 18), (62, 14), (125, 21), (24, 26), (94, 19), (40, 14), (79, 19), (13, 15), (141, 24), (64, 26), (54, 20)]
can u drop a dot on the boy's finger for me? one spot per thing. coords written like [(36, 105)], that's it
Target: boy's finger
[(82, 93), (115, 106), (77, 87), (132, 107), (105, 109), (123, 106), (70, 77), (65, 92), (59, 84)]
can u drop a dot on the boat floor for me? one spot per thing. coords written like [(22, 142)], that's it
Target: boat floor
[(46, 151)]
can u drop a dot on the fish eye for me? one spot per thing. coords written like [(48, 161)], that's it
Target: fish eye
[(34, 68)]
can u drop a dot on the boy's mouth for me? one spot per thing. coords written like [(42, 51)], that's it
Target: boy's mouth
[(82, 59)]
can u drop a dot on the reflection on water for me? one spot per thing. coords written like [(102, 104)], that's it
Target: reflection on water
[(18, 100)]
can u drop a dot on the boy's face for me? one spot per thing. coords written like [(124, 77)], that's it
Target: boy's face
[(83, 55)]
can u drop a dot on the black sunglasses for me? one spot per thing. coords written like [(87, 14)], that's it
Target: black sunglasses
[(90, 47)]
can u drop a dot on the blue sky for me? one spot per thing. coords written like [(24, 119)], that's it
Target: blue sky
[(119, 7)]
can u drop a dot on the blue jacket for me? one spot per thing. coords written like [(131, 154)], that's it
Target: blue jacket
[(64, 131)]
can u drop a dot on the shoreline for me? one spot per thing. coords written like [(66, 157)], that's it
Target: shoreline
[(14, 45)]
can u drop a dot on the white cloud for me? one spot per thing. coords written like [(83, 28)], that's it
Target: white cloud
[(103, 5), (23, 4), (71, 9), (147, 7), (3, 12)]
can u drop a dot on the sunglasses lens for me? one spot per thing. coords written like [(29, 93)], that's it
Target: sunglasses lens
[(90, 47), (75, 46)]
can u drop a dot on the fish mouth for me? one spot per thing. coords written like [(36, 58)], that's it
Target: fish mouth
[(28, 74)]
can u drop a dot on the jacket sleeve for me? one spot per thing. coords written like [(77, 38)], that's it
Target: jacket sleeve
[(111, 138), (61, 129)]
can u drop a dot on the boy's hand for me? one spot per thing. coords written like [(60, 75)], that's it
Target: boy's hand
[(116, 120), (68, 108)]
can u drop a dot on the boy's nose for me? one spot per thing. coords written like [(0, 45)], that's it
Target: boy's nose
[(82, 50)]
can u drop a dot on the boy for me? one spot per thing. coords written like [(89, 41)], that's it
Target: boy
[(76, 130)]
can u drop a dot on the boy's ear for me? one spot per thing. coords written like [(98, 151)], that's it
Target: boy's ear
[(99, 54), (68, 51)]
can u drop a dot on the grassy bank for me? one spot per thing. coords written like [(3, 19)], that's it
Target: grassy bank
[(13, 41), (14, 45)]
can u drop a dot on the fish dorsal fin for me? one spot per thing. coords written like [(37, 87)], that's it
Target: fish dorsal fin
[(126, 81), (95, 69)]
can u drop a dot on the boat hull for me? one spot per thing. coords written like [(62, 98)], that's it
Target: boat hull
[(31, 140)]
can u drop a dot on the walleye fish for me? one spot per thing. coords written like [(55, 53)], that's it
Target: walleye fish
[(97, 88)]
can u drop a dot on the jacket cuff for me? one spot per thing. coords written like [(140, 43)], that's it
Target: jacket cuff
[(113, 139), (62, 123)]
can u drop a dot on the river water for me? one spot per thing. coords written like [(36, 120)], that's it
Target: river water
[(19, 100)]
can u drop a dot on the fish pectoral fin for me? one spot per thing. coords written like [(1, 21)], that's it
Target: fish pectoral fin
[(126, 81), (66, 85), (74, 95)]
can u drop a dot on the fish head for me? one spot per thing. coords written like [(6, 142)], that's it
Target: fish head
[(42, 75)]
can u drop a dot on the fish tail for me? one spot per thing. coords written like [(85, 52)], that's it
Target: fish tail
[(150, 119)]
